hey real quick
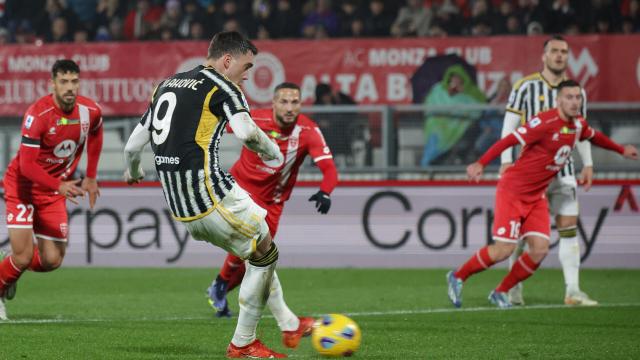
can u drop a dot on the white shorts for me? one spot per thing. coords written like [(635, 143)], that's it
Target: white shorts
[(236, 224), (562, 195)]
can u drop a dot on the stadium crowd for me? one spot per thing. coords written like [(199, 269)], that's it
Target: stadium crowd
[(50, 21)]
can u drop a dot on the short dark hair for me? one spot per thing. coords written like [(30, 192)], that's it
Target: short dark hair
[(230, 42), (567, 84), (553, 38), (64, 66), (286, 85)]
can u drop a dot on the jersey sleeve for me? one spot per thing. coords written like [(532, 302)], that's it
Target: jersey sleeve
[(583, 109), (96, 119), (587, 131), (318, 149), (531, 132), (33, 128), (228, 101), (517, 100)]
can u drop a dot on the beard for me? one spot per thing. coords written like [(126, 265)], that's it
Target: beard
[(65, 105)]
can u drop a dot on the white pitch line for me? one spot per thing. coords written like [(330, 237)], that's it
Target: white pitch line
[(354, 314)]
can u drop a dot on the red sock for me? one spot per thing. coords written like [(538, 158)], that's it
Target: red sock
[(237, 277), (9, 273), (521, 270), (479, 261), (230, 266), (36, 264)]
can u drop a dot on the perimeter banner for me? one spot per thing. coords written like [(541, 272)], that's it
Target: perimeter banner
[(372, 226), (121, 76)]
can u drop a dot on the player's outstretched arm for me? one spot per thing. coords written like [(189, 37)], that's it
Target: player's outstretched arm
[(601, 140), (132, 150), (509, 125), (475, 171), (253, 138), (94, 148), (586, 175), (329, 181)]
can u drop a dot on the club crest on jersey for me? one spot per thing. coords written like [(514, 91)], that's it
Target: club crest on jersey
[(65, 149), (28, 122), (65, 121)]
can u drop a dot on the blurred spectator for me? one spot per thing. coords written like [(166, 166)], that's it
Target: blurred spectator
[(5, 37), (81, 35), (116, 29), (196, 31), (24, 33), (53, 9), (530, 11), (513, 26), (444, 130), (561, 14), (229, 17), (535, 28), (322, 15), (481, 19), (413, 19), (347, 15), (59, 31), (85, 10), (627, 25), (262, 13), (378, 21), (191, 14), (490, 125), (168, 34), (106, 10), (357, 28), (172, 15), (285, 22), (447, 21), (338, 129), (142, 20)]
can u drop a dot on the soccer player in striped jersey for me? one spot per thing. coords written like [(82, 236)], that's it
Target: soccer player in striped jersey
[(531, 95), (270, 187), (184, 123), (521, 209), (39, 180)]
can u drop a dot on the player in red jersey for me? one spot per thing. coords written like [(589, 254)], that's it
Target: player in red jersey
[(39, 180), (521, 209), (270, 187)]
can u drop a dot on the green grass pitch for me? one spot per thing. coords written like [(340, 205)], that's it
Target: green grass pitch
[(109, 313)]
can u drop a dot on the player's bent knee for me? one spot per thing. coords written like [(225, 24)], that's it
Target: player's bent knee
[(502, 250), (22, 260), (51, 263)]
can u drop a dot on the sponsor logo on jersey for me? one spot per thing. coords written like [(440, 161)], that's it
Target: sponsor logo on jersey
[(562, 154), (54, 161), (65, 149), (65, 121), (28, 122), (171, 160), (566, 130), (265, 169)]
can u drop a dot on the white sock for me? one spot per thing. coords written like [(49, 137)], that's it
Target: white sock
[(254, 292), (287, 320), (569, 254)]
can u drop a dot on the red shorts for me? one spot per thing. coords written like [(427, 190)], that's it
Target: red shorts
[(515, 219), (45, 214), (274, 211)]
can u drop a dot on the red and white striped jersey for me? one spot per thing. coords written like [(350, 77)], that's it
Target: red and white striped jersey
[(59, 136), (274, 184)]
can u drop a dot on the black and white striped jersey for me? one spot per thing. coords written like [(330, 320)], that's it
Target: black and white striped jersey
[(534, 94), (186, 119)]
